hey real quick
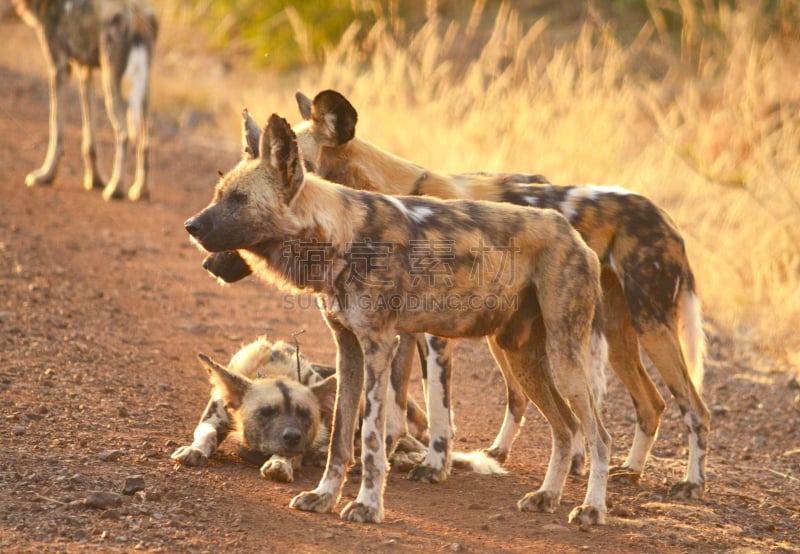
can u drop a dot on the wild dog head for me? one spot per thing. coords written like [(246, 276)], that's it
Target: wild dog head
[(251, 204), (331, 121), (263, 358), (274, 415)]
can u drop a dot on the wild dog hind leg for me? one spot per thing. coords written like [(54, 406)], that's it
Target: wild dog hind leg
[(531, 368), (397, 401), (113, 59), (663, 348), (138, 106), (91, 174)]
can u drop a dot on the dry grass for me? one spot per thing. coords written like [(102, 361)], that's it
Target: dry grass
[(708, 128)]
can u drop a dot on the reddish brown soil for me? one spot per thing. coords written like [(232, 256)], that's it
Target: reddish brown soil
[(103, 307)]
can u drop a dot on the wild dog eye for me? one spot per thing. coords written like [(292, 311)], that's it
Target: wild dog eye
[(303, 413), (238, 196), (267, 412)]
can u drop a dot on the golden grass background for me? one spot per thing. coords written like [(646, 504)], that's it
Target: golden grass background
[(704, 121)]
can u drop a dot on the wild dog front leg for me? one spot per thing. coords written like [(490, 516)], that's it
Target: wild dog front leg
[(214, 426), (350, 369), (436, 466), (379, 351), (58, 73), (280, 468)]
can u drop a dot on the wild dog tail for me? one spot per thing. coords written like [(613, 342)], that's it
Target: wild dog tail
[(138, 72), (478, 462), (410, 451), (692, 337), (144, 29)]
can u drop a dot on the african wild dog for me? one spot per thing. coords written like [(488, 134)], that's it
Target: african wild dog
[(117, 36), (281, 404), (276, 217), (649, 292)]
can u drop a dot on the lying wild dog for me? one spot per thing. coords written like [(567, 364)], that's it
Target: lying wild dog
[(278, 401), (282, 404), (649, 292), (117, 36), (537, 308)]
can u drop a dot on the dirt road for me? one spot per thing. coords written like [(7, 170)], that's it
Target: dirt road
[(103, 308)]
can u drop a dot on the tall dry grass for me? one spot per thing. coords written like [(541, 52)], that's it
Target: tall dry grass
[(707, 128)]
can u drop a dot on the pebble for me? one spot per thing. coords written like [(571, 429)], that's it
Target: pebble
[(102, 500), (111, 455), (553, 527), (133, 484), (112, 513), (18, 430)]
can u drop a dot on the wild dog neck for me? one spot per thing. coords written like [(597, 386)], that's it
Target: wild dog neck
[(320, 232), (361, 165)]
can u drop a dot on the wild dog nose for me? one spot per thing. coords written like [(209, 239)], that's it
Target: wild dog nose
[(192, 226), (291, 437)]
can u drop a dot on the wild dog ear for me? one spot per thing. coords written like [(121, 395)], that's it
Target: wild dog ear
[(278, 147), (250, 135), (323, 370), (325, 391), (303, 104), (337, 116), (232, 386)]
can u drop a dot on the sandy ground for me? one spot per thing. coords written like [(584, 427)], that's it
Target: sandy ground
[(103, 307)]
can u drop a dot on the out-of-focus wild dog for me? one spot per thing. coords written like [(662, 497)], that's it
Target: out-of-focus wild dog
[(649, 293), (117, 36), (544, 278), (281, 405)]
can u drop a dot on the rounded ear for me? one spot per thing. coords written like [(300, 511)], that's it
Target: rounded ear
[(232, 385), (250, 135), (303, 104), (325, 391), (278, 147), (333, 110)]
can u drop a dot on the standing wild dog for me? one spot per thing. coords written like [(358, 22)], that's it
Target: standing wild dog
[(649, 293), (545, 279), (117, 36)]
